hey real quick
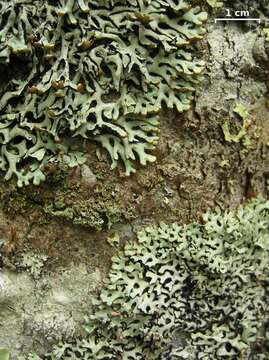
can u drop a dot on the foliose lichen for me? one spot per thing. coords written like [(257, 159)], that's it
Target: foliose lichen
[(198, 291), (33, 262), (100, 70)]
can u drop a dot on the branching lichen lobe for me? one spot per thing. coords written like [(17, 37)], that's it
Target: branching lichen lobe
[(198, 291), (101, 70)]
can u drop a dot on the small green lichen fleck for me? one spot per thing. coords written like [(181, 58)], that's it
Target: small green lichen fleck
[(266, 33), (244, 136)]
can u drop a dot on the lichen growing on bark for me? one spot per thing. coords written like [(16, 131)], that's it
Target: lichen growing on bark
[(100, 70), (197, 291)]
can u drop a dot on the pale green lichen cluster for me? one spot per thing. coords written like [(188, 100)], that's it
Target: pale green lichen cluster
[(33, 262), (96, 69), (191, 292)]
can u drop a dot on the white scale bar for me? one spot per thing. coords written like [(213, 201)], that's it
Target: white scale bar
[(238, 19)]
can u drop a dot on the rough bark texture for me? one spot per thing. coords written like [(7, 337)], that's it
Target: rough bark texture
[(54, 248)]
